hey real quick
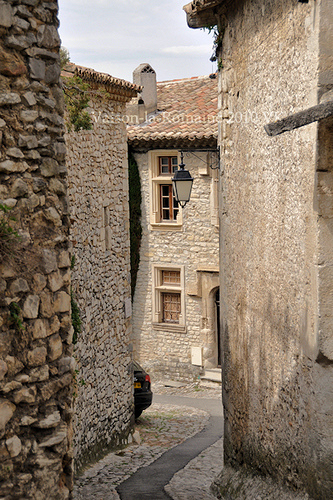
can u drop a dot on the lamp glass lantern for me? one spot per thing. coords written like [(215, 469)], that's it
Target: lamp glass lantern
[(182, 184)]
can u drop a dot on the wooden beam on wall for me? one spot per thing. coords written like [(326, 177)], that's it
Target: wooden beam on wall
[(310, 115)]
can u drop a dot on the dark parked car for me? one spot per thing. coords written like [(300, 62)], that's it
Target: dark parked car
[(142, 393)]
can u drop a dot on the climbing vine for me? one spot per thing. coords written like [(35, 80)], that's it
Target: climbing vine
[(135, 217), (218, 34)]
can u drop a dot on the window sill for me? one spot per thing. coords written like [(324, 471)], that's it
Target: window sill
[(169, 327), (165, 226)]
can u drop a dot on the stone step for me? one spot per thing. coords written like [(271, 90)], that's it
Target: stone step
[(213, 375)]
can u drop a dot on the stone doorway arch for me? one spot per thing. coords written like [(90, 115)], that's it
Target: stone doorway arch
[(207, 289)]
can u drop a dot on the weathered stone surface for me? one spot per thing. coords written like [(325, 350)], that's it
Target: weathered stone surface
[(60, 151), (19, 188), (53, 216), (25, 395), (27, 420), (11, 65), (14, 153), (9, 166), (14, 365), (29, 99), (40, 329), (29, 116), (62, 302), (39, 282), (33, 202), (49, 261), (23, 11), (31, 124), (6, 15), (57, 186), (9, 98), (49, 167), (51, 421), (23, 378), (39, 374), (32, 155), (30, 307), (52, 73), (21, 23), (49, 389), (47, 36), (44, 141), (55, 347), (19, 42), (3, 452), (46, 305), (19, 285), (7, 410), (28, 141), (11, 386), (64, 259), (39, 184), (56, 439), (10, 202), (55, 281), (37, 356), (54, 324), (3, 369), (3, 284), (14, 446), (37, 69), (66, 365), (43, 53)]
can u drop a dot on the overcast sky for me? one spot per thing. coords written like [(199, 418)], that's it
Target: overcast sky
[(115, 36)]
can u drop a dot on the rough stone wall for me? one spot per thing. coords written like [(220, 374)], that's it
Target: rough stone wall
[(98, 193), (35, 323), (276, 397), (164, 352)]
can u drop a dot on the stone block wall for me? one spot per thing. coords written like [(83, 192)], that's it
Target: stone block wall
[(167, 353), (277, 360), (98, 192), (35, 322)]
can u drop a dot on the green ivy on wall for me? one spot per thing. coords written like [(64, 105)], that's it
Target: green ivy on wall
[(135, 217)]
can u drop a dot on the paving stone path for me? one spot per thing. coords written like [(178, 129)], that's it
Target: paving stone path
[(160, 428)]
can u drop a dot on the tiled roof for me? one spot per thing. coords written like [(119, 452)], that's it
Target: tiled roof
[(119, 89), (186, 116)]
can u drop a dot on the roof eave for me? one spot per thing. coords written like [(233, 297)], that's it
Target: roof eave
[(146, 144), (203, 13)]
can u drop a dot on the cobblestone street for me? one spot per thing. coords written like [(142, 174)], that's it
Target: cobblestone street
[(160, 428)]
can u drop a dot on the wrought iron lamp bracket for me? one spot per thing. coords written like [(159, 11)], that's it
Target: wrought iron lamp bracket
[(213, 165)]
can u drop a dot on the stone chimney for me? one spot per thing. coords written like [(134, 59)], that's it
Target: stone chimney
[(145, 76)]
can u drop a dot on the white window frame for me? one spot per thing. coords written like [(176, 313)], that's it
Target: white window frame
[(155, 181), (159, 288)]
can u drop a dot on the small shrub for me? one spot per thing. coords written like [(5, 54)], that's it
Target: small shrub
[(15, 316), (77, 100), (8, 235)]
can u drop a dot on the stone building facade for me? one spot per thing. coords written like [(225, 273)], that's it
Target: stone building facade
[(276, 238), (175, 327), (98, 193), (35, 322)]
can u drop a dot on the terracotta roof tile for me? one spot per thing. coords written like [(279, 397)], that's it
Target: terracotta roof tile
[(186, 111)]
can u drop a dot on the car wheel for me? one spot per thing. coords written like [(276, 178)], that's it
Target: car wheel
[(138, 413)]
